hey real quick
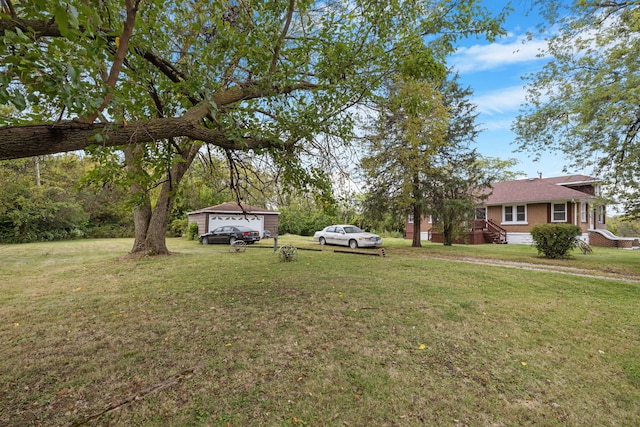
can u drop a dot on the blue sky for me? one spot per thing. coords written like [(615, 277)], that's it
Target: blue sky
[(494, 72)]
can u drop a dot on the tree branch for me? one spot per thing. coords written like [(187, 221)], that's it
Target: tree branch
[(225, 97), (122, 45), (40, 28), (63, 136), (285, 30), (7, 8), (26, 141)]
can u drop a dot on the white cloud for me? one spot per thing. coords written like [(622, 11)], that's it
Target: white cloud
[(485, 57), (501, 101)]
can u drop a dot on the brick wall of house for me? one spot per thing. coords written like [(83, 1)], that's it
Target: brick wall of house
[(494, 213), (470, 238), (537, 213), (425, 226), (597, 239)]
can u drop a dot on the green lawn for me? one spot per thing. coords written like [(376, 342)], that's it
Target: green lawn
[(206, 337)]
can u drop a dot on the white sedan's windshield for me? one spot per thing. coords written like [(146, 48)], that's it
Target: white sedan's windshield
[(352, 230)]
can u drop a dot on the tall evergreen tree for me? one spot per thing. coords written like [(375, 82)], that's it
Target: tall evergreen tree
[(407, 134), (421, 161)]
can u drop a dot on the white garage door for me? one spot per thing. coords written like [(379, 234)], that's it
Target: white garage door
[(255, 222)]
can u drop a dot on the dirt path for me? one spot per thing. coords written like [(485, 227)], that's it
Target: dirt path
[(573, 271)]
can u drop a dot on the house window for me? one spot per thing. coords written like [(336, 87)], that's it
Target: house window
[(583, 212), (514, 214), (559, 213), (481, 213), (410, 218), (601, 214)]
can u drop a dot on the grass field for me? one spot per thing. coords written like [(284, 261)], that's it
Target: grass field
[(206, 337)]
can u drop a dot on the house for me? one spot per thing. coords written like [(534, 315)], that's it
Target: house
[(232, 213), (514, 207)]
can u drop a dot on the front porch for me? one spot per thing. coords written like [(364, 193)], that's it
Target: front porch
[(482, 231)]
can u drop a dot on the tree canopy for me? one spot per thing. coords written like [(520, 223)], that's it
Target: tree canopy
[(238, 75), (585, 103)]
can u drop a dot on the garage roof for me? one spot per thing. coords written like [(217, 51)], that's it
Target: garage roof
[(236, 208)]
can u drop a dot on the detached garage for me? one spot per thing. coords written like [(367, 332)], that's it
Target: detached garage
[(231, 213)]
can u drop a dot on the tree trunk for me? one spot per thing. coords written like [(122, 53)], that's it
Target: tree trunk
[(141, 219), (417, 225), (447, 233), (151, 224), (155, 242)]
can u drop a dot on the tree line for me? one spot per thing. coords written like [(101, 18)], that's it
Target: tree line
[(57, 197), (44, 199)]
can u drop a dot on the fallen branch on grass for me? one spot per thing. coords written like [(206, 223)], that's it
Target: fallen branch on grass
[(173, 380), (381, 252)]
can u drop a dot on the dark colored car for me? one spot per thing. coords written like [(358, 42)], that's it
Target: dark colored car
[(229, 234)]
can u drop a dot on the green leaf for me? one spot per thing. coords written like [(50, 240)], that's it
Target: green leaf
[(61, 18), (19, 101)]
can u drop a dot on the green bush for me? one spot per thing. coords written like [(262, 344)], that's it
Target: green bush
[(192, 232), (177, 227), (304, 222), (555, 240)]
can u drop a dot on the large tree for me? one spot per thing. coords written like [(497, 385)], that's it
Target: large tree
[(421, 159), (585, 102), (409, 130), (158, 79)]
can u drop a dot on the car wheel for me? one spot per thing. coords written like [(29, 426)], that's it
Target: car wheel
[(232, 240), (204, 241), (353, 244), (322, 241)]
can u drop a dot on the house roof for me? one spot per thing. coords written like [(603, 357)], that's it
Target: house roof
[(532, 190), (234, 207)]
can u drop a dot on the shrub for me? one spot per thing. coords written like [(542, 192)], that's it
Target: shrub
[(177, 227), (555, 240), (304, 222), (192, 232)]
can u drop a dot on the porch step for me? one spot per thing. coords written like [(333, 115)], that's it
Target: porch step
[(495, 237)]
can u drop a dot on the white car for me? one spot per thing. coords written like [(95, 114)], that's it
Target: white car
[(347, 235)]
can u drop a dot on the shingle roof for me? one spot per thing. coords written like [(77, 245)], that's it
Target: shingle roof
[(233, 207), (539, 190), (572, 179)]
